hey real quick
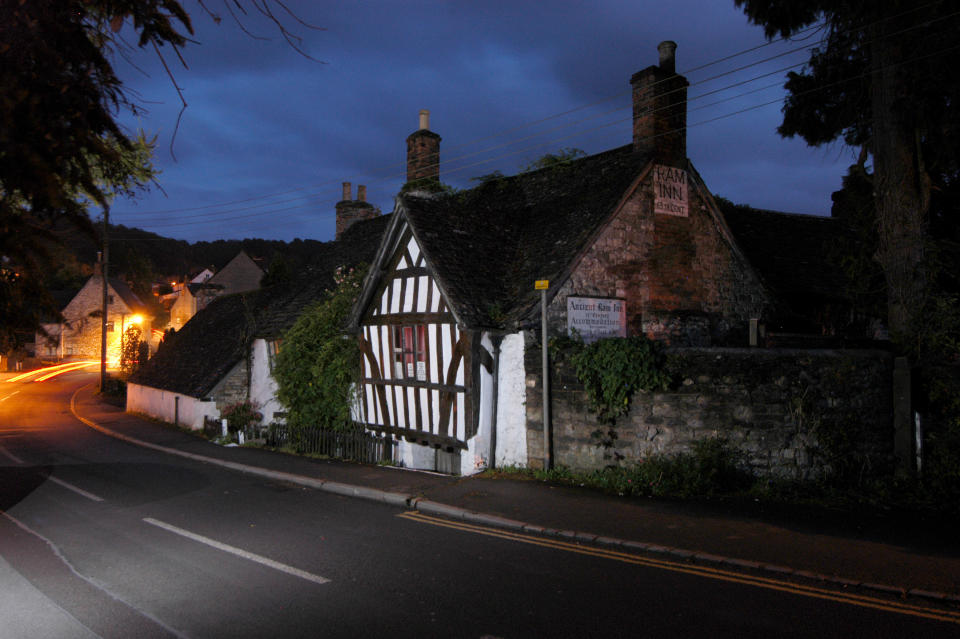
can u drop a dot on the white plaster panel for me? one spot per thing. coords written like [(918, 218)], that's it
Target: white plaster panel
[(436, 409), (389, 419), (432, 353), (423, 392), (414, 249), (461, 429), (410, 394), (386, 357), (447, 350), (460, 368), (409, 301), (395, 296), (422, 284), (435, 302), (370, 405), (374, 333)]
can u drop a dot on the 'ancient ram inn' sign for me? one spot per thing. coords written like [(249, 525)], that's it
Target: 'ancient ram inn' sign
[(669, 190), (594, 318)]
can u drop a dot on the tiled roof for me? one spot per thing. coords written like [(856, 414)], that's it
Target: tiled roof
[(790, 252), (194, 360), (239, 275), (490, 244)]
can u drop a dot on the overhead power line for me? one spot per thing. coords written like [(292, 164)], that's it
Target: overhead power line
[(456, 169)]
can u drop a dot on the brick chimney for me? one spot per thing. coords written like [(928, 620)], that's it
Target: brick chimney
[(350, 211), (423, 151), (660, 109)]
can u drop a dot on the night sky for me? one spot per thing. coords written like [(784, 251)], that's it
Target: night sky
[(269, 135)]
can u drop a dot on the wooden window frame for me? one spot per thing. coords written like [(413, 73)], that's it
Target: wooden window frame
[(410, 352)]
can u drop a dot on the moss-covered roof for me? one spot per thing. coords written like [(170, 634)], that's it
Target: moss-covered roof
[(790, 251), (489, 245)]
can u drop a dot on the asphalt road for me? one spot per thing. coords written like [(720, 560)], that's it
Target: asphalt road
[(102, 538)]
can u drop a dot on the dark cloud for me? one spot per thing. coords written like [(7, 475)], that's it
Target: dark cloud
[(264, 120)]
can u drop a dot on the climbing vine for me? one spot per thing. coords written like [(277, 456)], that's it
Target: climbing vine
[(612, 370), (318, 366)]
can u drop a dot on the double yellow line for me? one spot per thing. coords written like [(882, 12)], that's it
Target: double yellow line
[(698, 571)]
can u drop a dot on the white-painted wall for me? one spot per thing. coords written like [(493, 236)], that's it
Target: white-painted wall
[(263, 388), (411, 455), (512, 405), (162, 405)]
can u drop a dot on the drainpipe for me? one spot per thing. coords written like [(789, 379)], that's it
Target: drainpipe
[(496, 339)]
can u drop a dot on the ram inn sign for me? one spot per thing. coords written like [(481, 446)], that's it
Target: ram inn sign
[(670, 191), (594, 318)]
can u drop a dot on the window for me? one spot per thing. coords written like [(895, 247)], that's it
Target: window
[(410, 352), (109, 327), (109, 299)]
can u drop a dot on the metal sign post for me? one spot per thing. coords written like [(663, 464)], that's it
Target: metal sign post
[(542, 286)]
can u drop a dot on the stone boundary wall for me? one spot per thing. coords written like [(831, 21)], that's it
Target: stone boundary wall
[(773, 406)]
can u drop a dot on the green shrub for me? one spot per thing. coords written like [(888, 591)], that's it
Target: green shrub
[(711, 468), (241, 415), (318, 366), (612, 370)]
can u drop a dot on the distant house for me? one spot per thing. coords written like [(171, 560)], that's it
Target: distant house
[(241, 274), (629, 241), (79, 335), (224, 354)]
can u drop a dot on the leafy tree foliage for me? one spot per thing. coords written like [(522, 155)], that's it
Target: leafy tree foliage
[(884, 79), (560, 158), (130, 349), (317, 366), (61, 148)]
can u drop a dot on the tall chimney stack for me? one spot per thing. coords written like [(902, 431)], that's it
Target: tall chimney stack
[(423, 152), (660, 109), (350, 211)]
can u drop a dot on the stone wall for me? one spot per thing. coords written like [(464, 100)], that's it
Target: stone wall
[(768, 404), (233, 388)]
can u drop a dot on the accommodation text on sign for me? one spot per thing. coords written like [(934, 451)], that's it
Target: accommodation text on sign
[(594, 318), (670, 191)]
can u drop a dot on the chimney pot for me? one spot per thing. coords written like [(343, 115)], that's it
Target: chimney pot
[(668, 49), (346, 192), (362, 192), (425, 119)]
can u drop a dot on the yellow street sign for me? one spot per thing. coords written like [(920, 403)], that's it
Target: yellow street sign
[(541, 285)]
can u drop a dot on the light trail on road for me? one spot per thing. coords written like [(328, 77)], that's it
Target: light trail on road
[(49, 372)]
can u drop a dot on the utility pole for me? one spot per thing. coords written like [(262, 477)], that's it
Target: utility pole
[(103, 308), (542, 286)]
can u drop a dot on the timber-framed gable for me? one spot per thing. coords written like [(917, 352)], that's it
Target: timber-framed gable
[(419, 378)]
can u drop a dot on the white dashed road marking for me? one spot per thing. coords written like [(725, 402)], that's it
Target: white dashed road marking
[(276, 565)]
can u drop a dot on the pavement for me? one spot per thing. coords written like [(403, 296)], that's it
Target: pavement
[(915, 560)]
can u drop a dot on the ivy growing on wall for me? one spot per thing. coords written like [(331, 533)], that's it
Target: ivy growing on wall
[(612, 370), (317, 366)]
